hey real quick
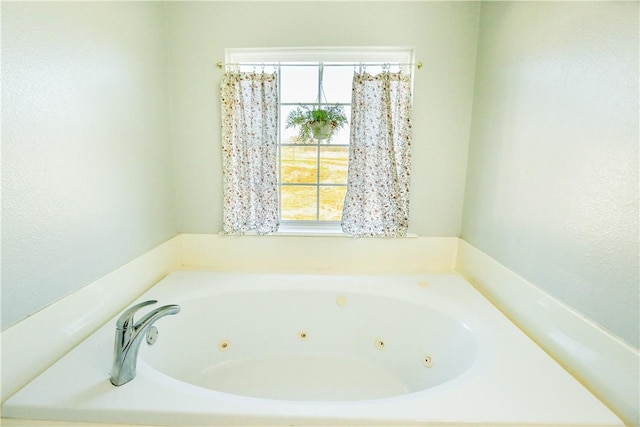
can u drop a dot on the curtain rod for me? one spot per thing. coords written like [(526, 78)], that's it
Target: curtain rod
[(221, 64)]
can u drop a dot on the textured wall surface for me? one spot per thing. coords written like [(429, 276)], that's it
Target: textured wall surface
[(552, 185), (86, 166), (444, 37)]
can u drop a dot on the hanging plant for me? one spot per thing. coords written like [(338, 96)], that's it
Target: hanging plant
[(317, 123)]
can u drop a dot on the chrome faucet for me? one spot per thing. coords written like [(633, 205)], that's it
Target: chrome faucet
[(128, 339)]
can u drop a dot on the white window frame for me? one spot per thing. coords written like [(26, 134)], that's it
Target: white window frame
[(271, 57)]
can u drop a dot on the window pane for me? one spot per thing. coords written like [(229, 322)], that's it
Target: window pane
[(288, 136), (336, 82), (333, 164), (299, 164), (331, 203), (343, 135), (298, 202), (298, 84)]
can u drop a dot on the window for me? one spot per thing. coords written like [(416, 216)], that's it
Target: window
[(312, 173)]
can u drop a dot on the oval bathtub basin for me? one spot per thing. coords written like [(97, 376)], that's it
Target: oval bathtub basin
[(311, 345)]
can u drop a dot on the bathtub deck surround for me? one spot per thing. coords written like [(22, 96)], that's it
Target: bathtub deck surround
[(27, 352), (300, 254), (500, 374), (24, 357), (606, 365)]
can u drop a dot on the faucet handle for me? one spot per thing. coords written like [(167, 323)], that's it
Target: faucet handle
[(125, 321)]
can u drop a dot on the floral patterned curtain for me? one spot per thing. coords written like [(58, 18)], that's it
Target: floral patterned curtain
[(249, 149), (377, 199)]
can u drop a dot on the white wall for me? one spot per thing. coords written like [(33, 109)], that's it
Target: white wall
[(444, 37), (552, 186), (86, 162)]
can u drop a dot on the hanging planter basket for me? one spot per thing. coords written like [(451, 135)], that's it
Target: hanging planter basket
[(317, 122), (321, 130)]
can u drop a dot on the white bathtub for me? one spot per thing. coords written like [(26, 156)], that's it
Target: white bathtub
[(338, 350)]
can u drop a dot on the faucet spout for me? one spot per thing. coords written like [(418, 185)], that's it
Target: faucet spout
[(129, 336)]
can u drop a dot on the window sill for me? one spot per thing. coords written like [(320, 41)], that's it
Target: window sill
[(316, 230), (302, 230)]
